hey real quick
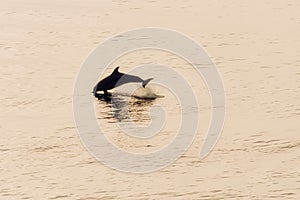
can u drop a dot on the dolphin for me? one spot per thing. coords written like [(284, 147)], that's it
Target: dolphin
[(116, 79)]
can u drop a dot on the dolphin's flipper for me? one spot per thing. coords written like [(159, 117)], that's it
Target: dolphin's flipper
[(145, 82)]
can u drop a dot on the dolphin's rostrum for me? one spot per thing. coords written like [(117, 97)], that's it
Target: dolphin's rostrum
[(116, 79)]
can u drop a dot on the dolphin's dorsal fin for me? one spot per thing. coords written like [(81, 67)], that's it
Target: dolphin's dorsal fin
[(116, 70)]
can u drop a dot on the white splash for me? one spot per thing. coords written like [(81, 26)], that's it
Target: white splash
[(145, 93)]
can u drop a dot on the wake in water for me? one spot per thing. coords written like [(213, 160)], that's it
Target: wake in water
[(140, 93), (145, 93), (125, 105)]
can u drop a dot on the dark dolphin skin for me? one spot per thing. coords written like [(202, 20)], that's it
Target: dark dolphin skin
[(116, 79)]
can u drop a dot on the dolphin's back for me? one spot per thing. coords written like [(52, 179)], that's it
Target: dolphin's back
[(108, 83), (126, 78)]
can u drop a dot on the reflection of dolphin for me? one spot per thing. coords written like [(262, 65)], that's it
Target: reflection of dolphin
[(116, 79)]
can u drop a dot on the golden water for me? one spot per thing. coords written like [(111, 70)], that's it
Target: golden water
[(255, 45)]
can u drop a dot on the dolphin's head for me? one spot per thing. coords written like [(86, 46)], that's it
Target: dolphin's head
[(95, 90)]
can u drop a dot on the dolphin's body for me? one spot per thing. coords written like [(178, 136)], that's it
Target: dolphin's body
[(116, 79)]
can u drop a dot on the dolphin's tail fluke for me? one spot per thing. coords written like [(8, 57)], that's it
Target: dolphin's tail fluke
[(145, 82)]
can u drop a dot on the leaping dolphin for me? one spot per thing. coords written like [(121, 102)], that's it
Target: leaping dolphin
[(116, 79)]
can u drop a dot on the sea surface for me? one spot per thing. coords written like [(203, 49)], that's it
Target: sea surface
[(255, 46)]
